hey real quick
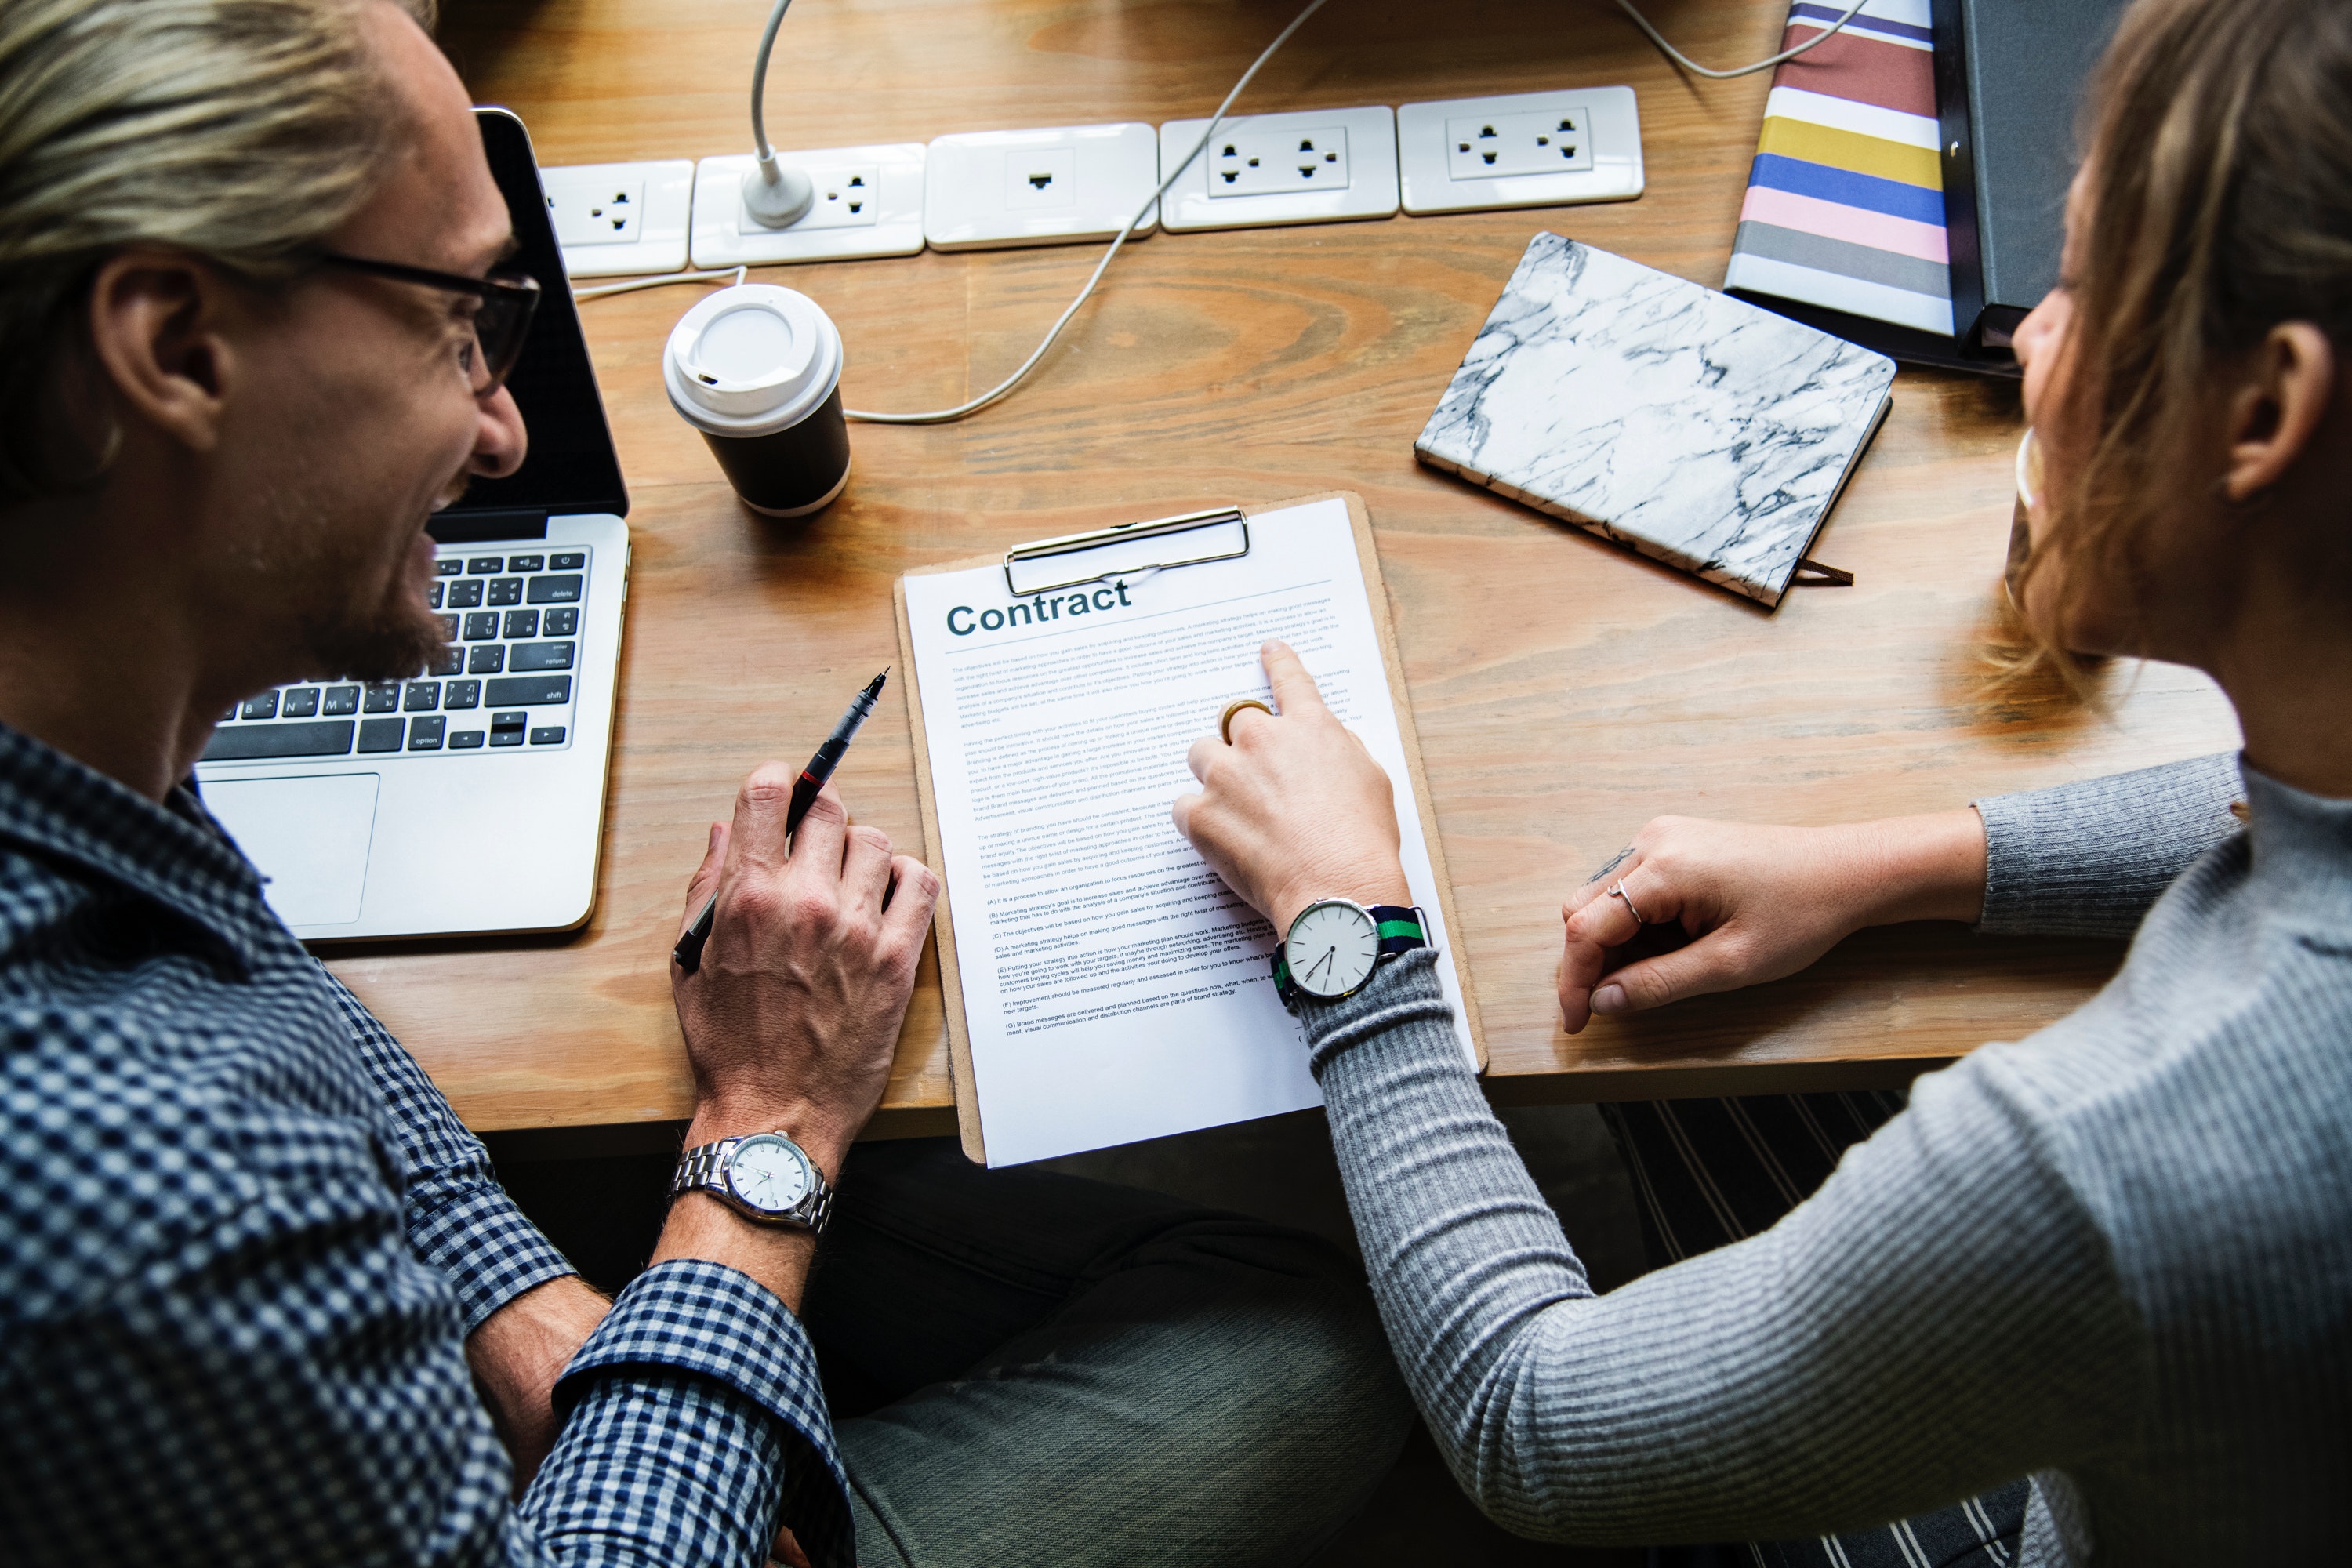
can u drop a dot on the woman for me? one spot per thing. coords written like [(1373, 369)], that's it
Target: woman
[(2117, 1256)]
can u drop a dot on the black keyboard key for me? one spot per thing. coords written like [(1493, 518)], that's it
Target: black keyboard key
[(505, 737), (425, 734), (342, 699), (558, 624), (509, 720), (448, 627), (380, 735), (508, 590), (487, 658), (484, 624), (569, 560), (464, 595), (548, 735), (556, 590), (448, 566), (521, 623), (422, 697), (382, 699), (230, 714), (462, 694), (432, 596), (526, 563), (527, 691), (450, 660), (465, 741), (262, 706), (321, 738), (541, 656), (301, 703), (484, 566)]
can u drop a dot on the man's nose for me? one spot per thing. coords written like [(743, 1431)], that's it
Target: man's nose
[(500, 442)]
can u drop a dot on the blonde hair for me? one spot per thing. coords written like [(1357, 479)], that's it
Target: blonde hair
[(239, 131), (2220, 206)]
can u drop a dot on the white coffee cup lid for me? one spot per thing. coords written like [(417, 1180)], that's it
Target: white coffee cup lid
[(751, 359)]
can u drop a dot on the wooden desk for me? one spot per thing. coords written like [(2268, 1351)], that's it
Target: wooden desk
[(1567, 691)]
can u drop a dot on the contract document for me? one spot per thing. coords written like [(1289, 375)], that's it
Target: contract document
[(1112, 988)]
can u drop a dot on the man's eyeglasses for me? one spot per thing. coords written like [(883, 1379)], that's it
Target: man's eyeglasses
[(509, 298)]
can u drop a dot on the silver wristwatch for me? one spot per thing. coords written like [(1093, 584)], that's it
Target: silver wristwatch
[(765, 1176)]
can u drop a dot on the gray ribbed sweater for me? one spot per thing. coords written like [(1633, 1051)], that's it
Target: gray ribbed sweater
[(2117, 1254)]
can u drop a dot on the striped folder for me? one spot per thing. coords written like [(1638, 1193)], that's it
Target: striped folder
[(1845, 200)]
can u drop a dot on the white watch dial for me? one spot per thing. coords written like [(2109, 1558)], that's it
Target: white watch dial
[(1331, 948), (766, 1173)]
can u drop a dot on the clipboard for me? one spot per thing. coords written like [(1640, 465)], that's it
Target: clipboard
[(1135, 550)]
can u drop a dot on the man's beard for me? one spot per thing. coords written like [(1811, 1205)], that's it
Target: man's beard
[(395, 641)]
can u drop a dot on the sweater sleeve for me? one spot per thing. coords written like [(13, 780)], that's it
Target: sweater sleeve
[(2088, 858), (1878, 1353)]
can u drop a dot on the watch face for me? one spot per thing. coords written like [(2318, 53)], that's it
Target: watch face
[(769, 1174), (1331, 948)]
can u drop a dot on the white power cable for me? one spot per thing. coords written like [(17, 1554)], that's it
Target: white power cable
[(659, 280), (760, 85), (1692, 66), (943, 416)]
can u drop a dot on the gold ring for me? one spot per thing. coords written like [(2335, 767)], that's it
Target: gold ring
[(1226, 719)]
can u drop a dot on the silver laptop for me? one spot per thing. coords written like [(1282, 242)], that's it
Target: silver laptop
[(469, 800)]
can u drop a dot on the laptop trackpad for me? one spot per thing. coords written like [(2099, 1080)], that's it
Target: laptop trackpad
[(308, 835)]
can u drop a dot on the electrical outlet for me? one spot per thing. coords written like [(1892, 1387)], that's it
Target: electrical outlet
[(616, 219), (607, 217), (847, 197), (1524, 149), (1258, 162), (1320, 166), (986, 189), (869, 202), (1492, 146)]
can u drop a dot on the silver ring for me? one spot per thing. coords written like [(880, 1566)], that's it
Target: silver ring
[(1617, 891)]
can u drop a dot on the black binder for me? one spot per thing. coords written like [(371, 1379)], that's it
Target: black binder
[(2011, 78)]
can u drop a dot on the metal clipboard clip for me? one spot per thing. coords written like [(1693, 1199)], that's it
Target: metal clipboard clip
[(1221, 525)]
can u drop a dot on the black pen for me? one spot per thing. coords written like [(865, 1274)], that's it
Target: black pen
[(688, 952)]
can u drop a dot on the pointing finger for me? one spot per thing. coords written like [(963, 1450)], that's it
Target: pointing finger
[(1294, 691)]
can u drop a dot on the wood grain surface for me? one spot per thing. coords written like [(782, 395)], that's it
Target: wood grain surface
[(1566, 690)]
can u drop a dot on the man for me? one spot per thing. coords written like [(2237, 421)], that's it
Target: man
[(261, 1298)]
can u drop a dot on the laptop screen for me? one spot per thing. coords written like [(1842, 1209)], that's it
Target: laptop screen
[(572, 467)]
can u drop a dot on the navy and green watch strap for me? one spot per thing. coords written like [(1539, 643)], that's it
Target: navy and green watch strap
[(1401, 927)]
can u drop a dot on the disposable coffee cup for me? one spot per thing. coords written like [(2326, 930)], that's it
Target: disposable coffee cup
[(757, 369)]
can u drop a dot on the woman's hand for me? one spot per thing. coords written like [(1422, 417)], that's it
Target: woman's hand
[(1294, 809), (1757, 902)]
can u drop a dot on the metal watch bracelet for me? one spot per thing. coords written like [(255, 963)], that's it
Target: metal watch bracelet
[(698, 1171)]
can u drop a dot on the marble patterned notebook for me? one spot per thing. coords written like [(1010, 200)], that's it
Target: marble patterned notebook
[(1695, 428)]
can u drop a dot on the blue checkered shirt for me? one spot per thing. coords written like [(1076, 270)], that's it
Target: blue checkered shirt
[(243, 1238)]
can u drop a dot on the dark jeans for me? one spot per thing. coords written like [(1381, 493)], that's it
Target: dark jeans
[(1026, 1367), (1708, 1171)]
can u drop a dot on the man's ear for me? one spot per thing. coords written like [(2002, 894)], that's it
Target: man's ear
[(158, 326), (2290, 378)]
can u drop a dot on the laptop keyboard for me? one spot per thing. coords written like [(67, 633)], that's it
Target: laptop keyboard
[(504, 680)]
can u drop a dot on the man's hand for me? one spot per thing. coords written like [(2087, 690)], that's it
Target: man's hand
[(791, 1021), (517, 1352), (1758, 902), (1294, 809)]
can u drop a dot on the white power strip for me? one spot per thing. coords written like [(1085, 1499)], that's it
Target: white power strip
[(964, 191)]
